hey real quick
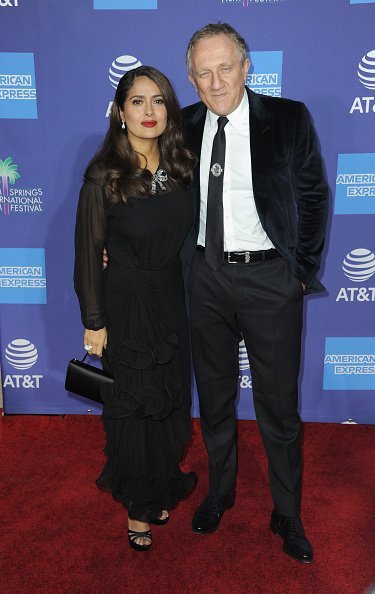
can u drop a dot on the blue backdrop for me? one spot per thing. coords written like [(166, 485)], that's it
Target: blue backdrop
[(59, 64)]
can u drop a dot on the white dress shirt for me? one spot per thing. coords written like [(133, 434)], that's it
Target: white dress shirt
[(242, 227)]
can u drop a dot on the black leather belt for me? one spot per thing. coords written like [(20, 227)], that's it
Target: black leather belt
[(246, 257)]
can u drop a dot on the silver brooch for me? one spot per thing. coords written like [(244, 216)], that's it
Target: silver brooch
[(216, 169), (158, 178)]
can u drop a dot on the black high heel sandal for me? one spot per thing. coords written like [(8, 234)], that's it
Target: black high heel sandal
[(160, 521), (132, 537)]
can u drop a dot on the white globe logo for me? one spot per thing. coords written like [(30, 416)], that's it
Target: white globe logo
[(359, 265), (120, 66), (21, 354), (243, 359), (366, 70)]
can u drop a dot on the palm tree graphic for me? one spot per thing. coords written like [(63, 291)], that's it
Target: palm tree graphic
[(8, 174)]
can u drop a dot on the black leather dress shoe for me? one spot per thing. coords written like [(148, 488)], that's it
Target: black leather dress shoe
[(295, 542), (208, 515)]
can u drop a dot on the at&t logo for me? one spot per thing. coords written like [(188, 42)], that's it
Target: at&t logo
[(21, 354), (359, 267), (13, 3), (366, 71), (244, 366), (366, 76), (118, 68)]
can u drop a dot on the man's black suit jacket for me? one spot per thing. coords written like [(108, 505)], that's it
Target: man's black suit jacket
[(290, 191)]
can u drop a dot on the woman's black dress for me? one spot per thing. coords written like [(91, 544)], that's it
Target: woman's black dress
[(140, 299)]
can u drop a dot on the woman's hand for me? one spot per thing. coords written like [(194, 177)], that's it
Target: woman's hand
[(97, 339)]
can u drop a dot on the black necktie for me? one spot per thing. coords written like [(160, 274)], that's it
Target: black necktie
[(214, 248)]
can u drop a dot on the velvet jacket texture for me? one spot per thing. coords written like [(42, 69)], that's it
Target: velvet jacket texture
[(290, 191)]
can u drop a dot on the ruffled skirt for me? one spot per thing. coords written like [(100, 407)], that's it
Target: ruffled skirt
[(146, 414)]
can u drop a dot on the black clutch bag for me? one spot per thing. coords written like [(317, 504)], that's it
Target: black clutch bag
[(86, 380)]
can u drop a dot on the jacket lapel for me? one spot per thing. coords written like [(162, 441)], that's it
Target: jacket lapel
[(262, 151), (194, 135)]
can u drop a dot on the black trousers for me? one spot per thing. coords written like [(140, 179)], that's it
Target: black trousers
[(261, 302)]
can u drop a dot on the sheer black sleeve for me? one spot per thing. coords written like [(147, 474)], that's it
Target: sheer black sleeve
[(90, 236)]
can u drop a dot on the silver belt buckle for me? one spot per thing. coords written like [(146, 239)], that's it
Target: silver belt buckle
[(247, 257), (230, 261)]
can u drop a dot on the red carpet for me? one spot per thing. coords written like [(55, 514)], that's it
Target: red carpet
[(61, 535)]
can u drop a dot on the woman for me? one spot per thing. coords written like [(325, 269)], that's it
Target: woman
[(136, 202)]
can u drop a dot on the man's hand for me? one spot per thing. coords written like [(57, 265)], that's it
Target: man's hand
[(97, 339)]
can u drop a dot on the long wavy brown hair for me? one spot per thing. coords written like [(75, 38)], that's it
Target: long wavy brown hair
[(116, 164)]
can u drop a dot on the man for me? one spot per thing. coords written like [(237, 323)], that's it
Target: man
[(259, 234)]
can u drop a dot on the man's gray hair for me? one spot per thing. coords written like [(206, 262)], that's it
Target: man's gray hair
[(216, 29)]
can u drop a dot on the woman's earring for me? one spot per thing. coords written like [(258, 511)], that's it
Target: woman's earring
[(123, 125)]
